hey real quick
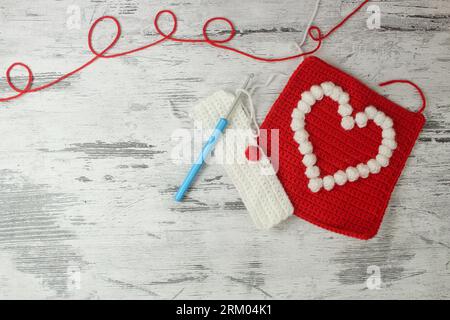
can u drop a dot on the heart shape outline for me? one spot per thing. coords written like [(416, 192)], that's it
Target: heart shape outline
[(345, 110)]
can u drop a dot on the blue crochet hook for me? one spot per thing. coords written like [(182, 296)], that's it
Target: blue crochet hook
[(209, 145)]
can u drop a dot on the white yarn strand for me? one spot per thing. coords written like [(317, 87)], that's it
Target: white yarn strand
[(311, 20), (253, 123)]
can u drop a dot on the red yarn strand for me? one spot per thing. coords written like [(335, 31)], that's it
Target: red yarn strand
[(318, 37), (422, 95)]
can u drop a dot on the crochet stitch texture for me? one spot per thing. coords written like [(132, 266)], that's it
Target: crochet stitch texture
[(354, 209), (257, 184)]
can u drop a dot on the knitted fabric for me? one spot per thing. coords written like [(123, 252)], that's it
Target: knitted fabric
[(342, 148), (256, 182)]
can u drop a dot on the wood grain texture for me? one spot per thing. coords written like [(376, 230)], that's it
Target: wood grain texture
[(86, 181)]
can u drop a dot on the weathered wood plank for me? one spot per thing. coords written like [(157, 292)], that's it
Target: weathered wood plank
[(86, 181)]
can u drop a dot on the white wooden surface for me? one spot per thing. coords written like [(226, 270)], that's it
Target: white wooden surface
[(86, 183)]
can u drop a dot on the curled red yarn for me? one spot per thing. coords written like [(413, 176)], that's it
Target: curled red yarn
[(314, 33), (422, 95)]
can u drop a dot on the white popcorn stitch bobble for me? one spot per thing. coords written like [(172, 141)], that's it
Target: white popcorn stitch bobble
[(345, 110), (305, 148), (317, 92), (327, 88), (370, 111), (297, 114), (379, 118), (308, 98), (382, 160), (309, 160), (374, 166), (297, 124), (361, 119), (363, 170), (312, 172), (301, 136), (385, 151), (315, 184), (336, 93), (328, 183), (352, 174), (340, 177), (347, 123), (390, 143), (388, 133), (303, 107), (387, 123), (344, 98)]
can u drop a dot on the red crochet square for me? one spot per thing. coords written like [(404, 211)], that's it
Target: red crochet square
[(356, 208)]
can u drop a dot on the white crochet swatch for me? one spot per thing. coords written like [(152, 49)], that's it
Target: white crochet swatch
[(262, 194)]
